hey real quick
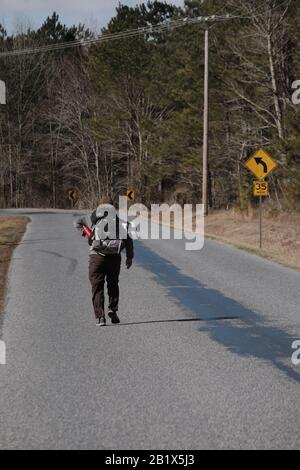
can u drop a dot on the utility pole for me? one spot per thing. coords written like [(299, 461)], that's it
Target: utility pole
[(3, 101), (208, 22), (2, 92), (205, 125)]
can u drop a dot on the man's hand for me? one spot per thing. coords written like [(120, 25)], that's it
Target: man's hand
[(128, 263)]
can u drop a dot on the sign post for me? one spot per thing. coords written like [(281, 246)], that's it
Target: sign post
[(260, 189), (261, 164), (260, 222)]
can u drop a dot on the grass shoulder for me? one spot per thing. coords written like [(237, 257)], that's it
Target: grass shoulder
[(11, 232), (281, 234)]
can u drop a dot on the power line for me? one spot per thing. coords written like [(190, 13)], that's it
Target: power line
[(168, 25), (148, 30)]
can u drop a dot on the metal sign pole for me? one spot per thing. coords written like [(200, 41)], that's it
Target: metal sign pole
[(261, 164), (260, 222)]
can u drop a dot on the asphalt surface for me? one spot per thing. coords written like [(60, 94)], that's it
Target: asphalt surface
[(201, 360)]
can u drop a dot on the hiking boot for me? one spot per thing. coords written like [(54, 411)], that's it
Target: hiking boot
[(114, 317)]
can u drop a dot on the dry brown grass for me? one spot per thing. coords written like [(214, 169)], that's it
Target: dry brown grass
[(281, 233), (11, 232)]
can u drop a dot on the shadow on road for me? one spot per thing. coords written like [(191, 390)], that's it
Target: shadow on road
[(180, 320), (251, 336)]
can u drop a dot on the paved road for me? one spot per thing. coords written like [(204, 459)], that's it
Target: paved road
[(224, 380)]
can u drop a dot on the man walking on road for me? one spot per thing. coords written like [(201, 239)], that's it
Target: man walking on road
[(105, 259)]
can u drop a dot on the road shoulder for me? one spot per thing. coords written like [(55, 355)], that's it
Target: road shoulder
[(12, 230)]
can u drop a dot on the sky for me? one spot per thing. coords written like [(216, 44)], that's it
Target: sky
[(93, 13)]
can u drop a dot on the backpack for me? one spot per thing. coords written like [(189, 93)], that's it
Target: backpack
[(106, 246)]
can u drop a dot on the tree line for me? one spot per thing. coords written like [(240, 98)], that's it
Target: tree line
[(128, 113)]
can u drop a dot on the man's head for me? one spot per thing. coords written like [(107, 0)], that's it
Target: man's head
[(106, 200), (106, 215)]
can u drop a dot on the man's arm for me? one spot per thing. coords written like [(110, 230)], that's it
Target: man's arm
[(129, 251)]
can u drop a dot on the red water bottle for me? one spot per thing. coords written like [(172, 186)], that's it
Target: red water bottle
[(87, 232)]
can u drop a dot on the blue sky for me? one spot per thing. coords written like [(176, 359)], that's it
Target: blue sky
[(94, 13)]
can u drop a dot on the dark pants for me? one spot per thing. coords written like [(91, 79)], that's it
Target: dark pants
[(101, 268)]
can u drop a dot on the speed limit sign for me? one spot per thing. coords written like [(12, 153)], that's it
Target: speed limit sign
[(260, 188)]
